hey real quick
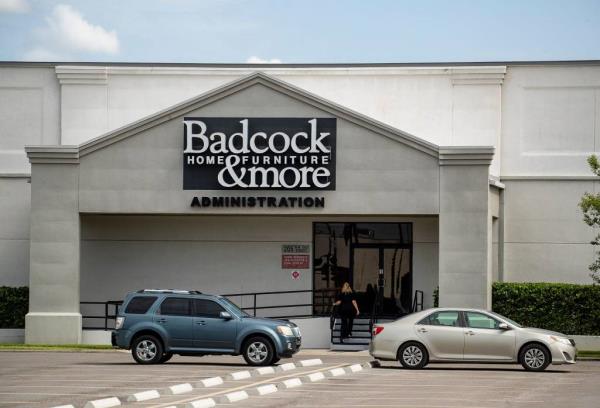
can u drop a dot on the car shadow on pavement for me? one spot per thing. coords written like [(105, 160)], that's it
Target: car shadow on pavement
[(441, 368), (172, 363)]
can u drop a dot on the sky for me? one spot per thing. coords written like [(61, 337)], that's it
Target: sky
[(301, 31)]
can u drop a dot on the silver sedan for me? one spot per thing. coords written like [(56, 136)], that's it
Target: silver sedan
[(468, 335)]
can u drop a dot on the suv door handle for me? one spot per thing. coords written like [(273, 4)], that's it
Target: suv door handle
[(201, 322), (422, 330), (161, 320), (470, 333)]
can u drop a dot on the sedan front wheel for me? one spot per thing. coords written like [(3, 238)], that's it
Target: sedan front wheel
[(534, 357), (413, 355)]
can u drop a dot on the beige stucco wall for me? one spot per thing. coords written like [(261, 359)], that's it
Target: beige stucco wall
[(122, 253)]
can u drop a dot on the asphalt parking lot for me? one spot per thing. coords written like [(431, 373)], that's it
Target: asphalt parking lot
[(47, 379)]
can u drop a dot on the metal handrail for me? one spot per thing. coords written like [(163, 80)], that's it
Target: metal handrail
[(417, 301), (254, 308)]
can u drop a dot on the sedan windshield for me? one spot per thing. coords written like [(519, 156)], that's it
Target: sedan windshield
[(507, 319), (235, 307)]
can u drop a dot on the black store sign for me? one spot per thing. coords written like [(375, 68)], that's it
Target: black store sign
[(259, 153)]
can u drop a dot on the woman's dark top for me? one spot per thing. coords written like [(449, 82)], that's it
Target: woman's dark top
[(346, 305)]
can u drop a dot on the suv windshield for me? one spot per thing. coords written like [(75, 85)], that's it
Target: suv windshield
[(235, 307)]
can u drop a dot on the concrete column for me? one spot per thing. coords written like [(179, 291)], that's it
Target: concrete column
[(465, 267), (84, 103), (54, 316)]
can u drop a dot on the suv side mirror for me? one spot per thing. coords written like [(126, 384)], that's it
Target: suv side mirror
[(225, 315), (503, 326)]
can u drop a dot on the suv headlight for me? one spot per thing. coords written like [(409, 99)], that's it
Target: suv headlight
[(285, 330), (562, 340), (119, 322)]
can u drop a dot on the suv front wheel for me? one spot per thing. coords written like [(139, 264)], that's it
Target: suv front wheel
[(147, 349), (258, 351)]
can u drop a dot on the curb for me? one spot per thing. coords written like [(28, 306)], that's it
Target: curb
[(286, 367), (143, 396), (234, 397), (103, 403), (336, 372), (265, 389), (210, 382), (291, 383), (315, 377), (310, 363), (201, 403), (179, 389), (264, 370), (239, 375)]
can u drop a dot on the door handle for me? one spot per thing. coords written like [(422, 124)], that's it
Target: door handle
[(422, 330), (470, 333), (201, 323), (162, 320)]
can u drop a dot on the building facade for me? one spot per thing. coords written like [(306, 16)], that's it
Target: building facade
[(244, 179)]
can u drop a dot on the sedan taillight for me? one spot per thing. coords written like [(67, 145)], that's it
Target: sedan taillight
[(377, 330)]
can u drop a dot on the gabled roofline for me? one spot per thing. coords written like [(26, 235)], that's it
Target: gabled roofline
[(446, 155)]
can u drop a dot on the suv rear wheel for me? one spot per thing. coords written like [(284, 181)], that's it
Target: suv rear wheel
[(147, 349), (258, 351)]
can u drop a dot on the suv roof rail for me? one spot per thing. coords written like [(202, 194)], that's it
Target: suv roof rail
[(178, 291)]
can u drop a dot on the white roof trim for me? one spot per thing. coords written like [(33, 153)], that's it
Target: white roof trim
[(447, 155)]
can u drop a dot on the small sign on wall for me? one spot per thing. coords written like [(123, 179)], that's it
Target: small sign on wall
[(295, 257)]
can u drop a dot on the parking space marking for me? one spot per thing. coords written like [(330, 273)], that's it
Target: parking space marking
[(242, 387)]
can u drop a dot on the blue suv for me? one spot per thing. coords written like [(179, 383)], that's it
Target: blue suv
[(158, 323)]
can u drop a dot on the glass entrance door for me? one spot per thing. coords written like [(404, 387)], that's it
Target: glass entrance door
[(381, 280), (355, 252)]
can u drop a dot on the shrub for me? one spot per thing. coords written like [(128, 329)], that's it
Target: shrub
[(562, 307), (14, 303)]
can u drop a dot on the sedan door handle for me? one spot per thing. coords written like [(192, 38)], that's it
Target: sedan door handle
[(470, 333), (422, 330)]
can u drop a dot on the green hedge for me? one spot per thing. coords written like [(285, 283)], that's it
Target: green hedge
[(562, 307), (14, 303)]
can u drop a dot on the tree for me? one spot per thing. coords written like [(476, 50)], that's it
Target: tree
[(590, 205)]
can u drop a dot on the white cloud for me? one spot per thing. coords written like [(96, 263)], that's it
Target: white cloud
[(76, 33), (257, 60), (67, 32), (14, 6)]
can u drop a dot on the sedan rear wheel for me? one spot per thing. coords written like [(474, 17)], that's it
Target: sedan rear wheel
[(534, 357), (413, 355)]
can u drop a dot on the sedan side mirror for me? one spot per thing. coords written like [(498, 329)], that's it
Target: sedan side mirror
[(503, 326), (225, 315)]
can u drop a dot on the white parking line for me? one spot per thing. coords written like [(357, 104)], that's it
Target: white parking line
[(245, 386)]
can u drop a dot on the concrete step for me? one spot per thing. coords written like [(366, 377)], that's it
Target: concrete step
[(348, 347)]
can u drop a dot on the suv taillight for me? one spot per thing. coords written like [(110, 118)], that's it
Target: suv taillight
[(377, 330), (119, 322)]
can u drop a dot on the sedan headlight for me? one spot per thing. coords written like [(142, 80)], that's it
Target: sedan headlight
[(285, 330), (562, 340), (119, 323)]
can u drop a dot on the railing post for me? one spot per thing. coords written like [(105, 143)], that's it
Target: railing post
[(255, 305), (105, 316)]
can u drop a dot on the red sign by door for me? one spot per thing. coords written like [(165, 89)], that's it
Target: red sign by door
[(294, 261)]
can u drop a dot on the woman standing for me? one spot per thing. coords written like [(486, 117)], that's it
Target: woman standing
[(347, 309)]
